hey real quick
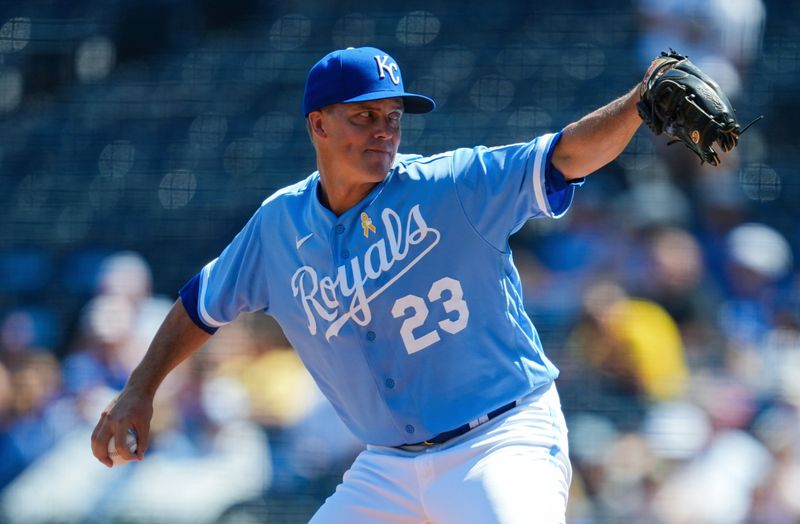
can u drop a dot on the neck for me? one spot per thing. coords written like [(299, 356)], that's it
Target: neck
[(340, 197)]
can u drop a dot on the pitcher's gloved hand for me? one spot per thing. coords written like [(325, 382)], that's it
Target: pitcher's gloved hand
[(680, 100)]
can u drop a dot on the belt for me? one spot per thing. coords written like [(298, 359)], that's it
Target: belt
[(441, 438)]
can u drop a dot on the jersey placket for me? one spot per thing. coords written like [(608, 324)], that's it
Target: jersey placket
[(339, 249), (351, 236)]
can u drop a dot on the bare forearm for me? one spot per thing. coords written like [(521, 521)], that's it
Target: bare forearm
[(597, 138), (176, 339)]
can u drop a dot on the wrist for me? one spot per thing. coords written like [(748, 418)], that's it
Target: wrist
[(140, 384)]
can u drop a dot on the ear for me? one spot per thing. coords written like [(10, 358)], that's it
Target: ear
[(316, 124)]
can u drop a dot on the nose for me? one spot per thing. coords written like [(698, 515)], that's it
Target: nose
[(385, 129)]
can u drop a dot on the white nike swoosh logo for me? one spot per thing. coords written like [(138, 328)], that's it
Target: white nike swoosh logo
[(300, 241)]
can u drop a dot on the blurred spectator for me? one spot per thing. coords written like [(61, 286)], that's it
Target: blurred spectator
[(715, 486), (676, 279), (632, 346), (775, 501), (758, 259), (106, 328), (29, 385), (28, 388), (116, 326), (675, 275), (127, 275), (17, 334)]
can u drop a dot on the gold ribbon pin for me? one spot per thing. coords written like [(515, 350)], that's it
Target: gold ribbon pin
[(366, 224)]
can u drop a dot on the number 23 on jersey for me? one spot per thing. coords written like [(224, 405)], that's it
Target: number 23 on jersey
[(445, 293)]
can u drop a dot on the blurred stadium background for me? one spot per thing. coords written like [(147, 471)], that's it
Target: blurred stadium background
[(136, 138)]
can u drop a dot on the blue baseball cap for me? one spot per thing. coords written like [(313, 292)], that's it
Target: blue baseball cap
[(358, 75)]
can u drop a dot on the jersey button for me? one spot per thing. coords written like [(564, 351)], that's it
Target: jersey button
[(370, 335), (409, 428), (389, 383), (345, 253), (340, 228)]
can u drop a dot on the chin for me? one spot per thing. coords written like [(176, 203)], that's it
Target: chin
[(379, 172), (378, 165)]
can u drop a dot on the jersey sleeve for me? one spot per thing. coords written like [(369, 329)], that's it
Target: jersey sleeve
[(233, 283), (502, 187)]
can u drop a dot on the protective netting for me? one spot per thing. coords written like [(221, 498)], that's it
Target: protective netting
[(136, 138)]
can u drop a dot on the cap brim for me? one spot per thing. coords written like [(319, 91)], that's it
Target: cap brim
[(412, 102)]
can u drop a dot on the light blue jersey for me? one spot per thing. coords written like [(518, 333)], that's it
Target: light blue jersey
[(407, 309)]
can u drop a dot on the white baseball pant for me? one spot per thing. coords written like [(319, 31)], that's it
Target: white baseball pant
[(512, 469)]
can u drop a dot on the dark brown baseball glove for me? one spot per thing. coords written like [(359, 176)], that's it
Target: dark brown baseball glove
[(678, 99)]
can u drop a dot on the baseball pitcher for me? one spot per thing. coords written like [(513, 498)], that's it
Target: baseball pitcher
[(391, 276)]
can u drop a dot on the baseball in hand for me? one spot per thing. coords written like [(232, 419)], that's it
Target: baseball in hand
[(130, 442)]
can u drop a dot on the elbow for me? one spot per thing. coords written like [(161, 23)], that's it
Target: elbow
[(571, 168), (570, 160)]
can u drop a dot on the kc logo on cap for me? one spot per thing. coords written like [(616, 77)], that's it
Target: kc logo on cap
[(349, 75), (391, 69)]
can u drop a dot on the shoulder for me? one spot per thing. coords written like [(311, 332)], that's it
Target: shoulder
[(462, 160), (419, 167), (287, 202), (292, 194), (459, 155), (290, 200)]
